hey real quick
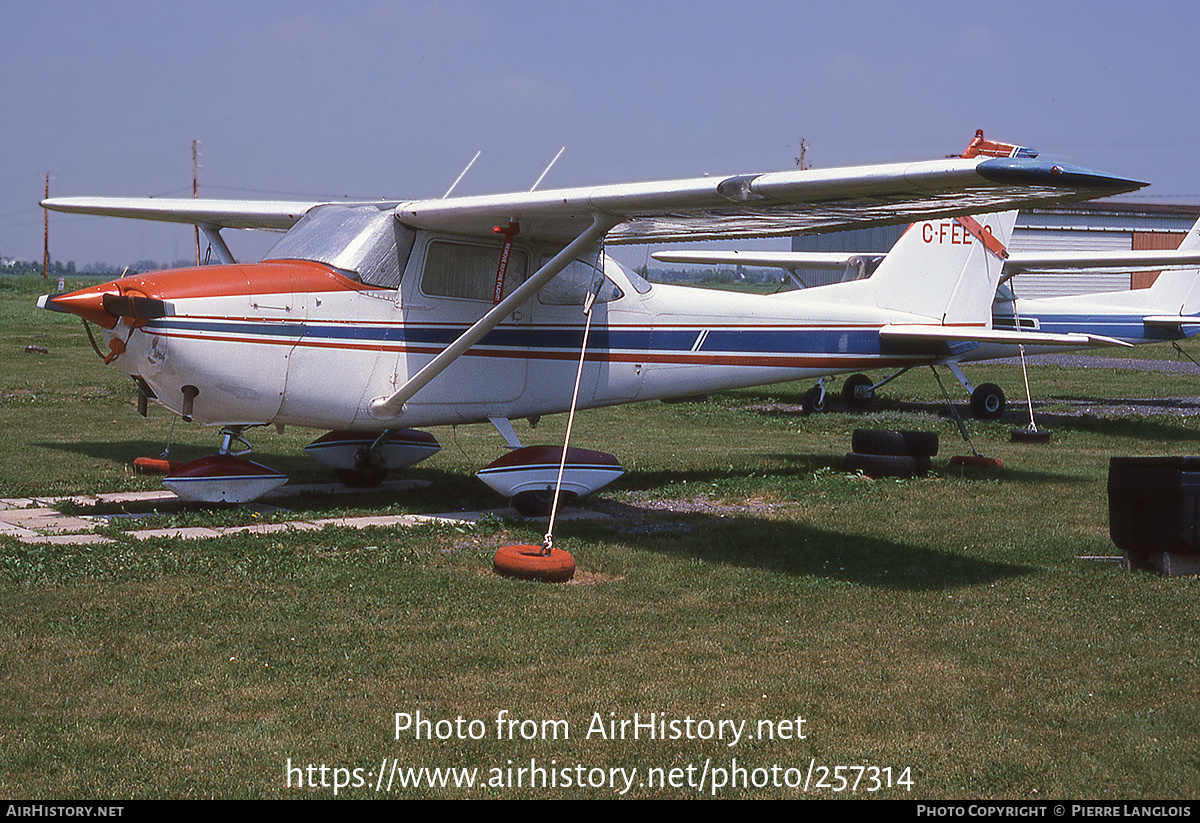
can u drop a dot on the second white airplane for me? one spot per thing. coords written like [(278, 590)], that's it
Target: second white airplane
[(1168, 310)]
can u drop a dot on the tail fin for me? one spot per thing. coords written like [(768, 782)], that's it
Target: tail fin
[(1178, 291), (946, 269)]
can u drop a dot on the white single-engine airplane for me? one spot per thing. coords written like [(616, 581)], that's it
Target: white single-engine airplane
[(370, 319), (1168, 310)]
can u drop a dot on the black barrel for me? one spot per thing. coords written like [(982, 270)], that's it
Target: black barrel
[(1153, 504)]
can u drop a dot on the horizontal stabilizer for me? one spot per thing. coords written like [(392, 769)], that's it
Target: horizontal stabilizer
[(1171, 320), (950, 334)]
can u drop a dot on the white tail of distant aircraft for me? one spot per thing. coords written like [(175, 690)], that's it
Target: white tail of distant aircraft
[(1158, 313)]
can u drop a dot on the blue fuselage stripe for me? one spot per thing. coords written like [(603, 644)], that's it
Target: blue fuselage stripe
[(747, 340)]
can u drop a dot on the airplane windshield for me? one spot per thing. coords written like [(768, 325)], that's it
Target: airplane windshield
[(365, 242)]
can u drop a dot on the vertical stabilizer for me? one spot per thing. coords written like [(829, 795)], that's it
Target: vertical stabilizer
[(946, 269), (1178, 291)]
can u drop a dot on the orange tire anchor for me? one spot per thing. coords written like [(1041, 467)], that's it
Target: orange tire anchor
[(529, 563)]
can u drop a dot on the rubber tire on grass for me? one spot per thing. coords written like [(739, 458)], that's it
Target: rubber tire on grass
[(1029, 436), (987, 402), (528, 563), (1151, 505), (888, 441), (850, 391), (887, 465)]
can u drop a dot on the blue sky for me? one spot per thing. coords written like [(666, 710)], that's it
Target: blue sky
[(392, 99)]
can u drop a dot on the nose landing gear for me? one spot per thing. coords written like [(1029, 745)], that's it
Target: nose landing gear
[(224, 477)]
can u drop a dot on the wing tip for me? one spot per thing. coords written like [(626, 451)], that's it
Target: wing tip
[(1028, 171)]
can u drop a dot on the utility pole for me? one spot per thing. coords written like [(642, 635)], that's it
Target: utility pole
[(801, 161), (46, 235)]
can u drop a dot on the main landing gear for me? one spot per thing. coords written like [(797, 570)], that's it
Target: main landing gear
[(363, 459), (528, 476), (858, 391), (987, 400), (813, 400)]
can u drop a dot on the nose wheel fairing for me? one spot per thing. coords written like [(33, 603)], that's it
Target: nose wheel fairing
[(223, 478)]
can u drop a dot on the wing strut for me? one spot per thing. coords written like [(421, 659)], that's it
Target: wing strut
[(216, 241), (382, 408)]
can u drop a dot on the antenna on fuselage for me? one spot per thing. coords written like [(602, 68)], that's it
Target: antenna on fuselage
[(547, 171), (464, 174)]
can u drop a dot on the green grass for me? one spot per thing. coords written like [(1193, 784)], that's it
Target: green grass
[(944, 625)]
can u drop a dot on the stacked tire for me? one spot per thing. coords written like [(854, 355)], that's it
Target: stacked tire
[(891, 453)]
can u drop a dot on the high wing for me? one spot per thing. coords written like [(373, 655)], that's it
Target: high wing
[(771, 204), (220, 214), (740, 206)]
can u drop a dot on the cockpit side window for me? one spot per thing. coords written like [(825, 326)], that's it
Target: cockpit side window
[(366, 243), (468, 270), (640, 284)]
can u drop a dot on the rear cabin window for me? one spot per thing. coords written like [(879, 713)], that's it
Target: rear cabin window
[(468, 271)]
